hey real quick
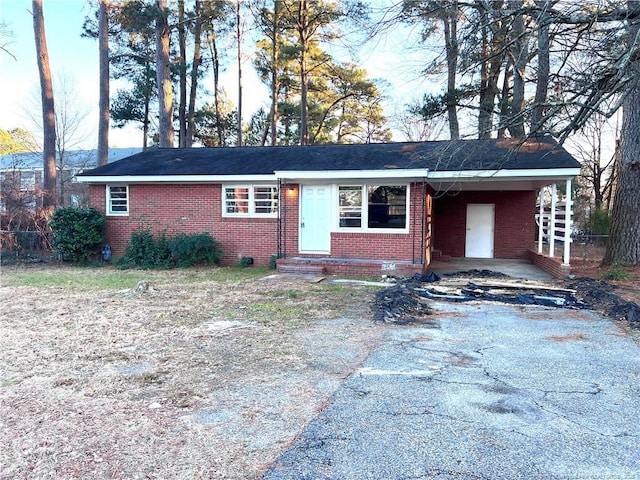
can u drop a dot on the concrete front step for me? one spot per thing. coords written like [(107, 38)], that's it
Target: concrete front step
[(301, 268), (347, 266)]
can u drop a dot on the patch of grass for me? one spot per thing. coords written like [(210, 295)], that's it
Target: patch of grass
[(266, 313), (335, 288), (291, 294), (615, 274), (109, 278), (72, 278), (148, 378), (224, 274), (8, 383), (272, 312)]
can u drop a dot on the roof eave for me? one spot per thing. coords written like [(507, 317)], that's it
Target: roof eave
[(387, 173), (181, 179), (518, 174), (558, 174)]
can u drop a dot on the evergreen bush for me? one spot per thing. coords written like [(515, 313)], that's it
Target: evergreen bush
[(599, 222), (77, 232), (195, 249), (146, 252)]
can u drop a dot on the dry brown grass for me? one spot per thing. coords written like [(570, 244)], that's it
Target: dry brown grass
[(194, 378)]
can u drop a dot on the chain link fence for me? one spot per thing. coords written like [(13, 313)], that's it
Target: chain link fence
[(588, 246)]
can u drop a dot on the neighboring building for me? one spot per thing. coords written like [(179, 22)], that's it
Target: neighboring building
[(21, 176), (342, 208)]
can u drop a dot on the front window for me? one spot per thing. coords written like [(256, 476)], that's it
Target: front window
[(350, 205), (385, 207), (250, 200), (117, 200)]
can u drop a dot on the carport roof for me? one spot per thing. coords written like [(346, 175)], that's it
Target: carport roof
[(542, 153)]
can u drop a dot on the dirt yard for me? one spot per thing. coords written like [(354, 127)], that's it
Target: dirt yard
[(198, 374), (187, 374), (586, 262)]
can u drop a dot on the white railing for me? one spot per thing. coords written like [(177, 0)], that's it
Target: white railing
[(554, 222)]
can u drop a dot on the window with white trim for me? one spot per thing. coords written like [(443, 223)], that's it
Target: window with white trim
[(350, 205), (250, 200), (373, 207), (117, 200)]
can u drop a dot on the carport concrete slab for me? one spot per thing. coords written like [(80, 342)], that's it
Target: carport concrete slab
[(496, 392), (514, 268)]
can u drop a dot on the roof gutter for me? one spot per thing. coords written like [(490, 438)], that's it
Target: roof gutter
[(328, 175), (175, 178), (518, 174), (387, 173)]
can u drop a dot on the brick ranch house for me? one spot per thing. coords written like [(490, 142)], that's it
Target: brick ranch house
[(367, 209)]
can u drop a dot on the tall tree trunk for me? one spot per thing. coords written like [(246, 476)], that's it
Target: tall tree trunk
[(49, 199), (516, 123), (197, 60), (103, 47), (145, 124), (165, 93), (148, 93), (624, 236), (182, 102), (486, 106), (304, 86), (542, 83), (450, 21), (239, 54), (275, 78), (216, 87), (493, 41), (505, 113)]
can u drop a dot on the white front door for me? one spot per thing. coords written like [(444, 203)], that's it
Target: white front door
[(479, 238), (315, 219)]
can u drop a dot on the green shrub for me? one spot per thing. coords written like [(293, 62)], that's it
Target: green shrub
[(77, 232), (146, 252), (599, 222), (196, 249), (615, 274)]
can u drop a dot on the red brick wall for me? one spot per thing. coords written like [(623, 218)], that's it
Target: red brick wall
[(514, 222), (290, 205), (385, 246), (189, 209), (197, 208), (376, 246), (553, 266)]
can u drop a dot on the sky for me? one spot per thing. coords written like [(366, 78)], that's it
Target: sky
[(75, 60)]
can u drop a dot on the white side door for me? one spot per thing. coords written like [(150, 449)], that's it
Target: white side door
[(315, 219), (480, 230)]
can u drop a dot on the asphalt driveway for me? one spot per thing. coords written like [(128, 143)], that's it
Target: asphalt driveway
[(494, 392)]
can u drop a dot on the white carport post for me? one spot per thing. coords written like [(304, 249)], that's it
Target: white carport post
[(541, 220), (552, 222), (568, 210)]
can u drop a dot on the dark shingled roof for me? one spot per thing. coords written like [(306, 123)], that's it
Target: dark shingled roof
[(540, 153)]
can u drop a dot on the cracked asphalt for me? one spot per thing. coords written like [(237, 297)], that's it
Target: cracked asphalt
[(493, 392)]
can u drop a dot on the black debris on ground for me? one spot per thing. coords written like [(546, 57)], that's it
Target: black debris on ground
[(515, 296), (601, 297), (406, 302), (475, 273), (401, 304)]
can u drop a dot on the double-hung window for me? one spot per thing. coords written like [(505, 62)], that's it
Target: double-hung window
[(250, 200), (117, 200), (350, 205), (373, 207)]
